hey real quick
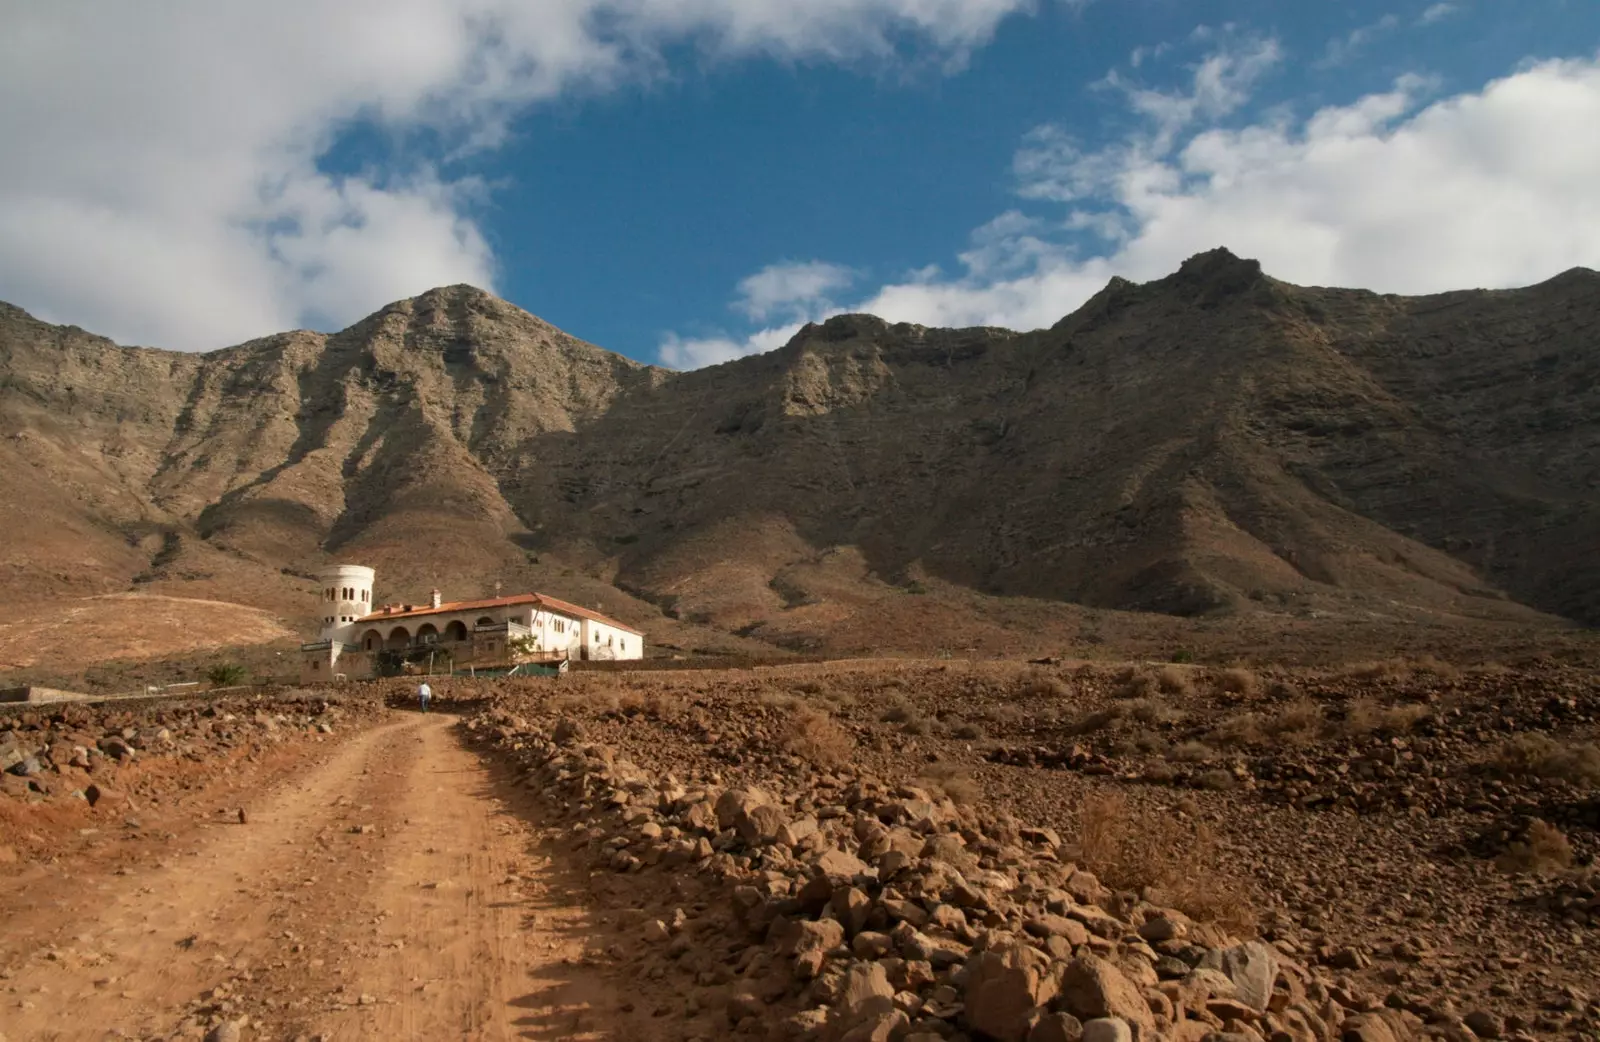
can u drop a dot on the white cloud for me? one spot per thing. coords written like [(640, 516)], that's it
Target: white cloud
[(694, 353), (1220, 84), (1343, 49), (1438, 13), (794, 289), (1490, 188), (166, 186), (793, 292)]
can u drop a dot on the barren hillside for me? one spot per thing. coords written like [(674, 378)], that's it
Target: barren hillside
[(1215, 443)]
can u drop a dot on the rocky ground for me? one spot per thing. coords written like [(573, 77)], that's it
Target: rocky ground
[(1400, 850), (877, 850), (112, 764)]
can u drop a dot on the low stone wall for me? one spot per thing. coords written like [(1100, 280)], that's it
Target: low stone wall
[(37, 695)]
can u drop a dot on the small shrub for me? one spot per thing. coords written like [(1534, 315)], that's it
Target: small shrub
[(1239, 730), (1043, 685), (897, 712), (1388, 669), (1296, 722), (918, 725), (1240, 682), (1435, 666), (782, 700), (1151, 711), (951, 779), (968, 732), (1365, 716), (1175, 681), (1544, 757), (1131, 849), (814, 735), (1218, 780), (1134, 684), (1005, 715), (227, 675), (1098, 720), (1193, 752), (1183, 655), (1545, 848), (1161, 773)]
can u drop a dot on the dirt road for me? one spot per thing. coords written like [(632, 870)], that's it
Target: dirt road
[(389, 892)]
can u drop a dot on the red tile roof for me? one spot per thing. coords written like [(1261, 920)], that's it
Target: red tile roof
[(560, 607)]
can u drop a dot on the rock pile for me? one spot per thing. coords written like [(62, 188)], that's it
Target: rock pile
[(78, 751), (864, 911)]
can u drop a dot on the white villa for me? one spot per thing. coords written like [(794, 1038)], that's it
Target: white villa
[(499, 632)]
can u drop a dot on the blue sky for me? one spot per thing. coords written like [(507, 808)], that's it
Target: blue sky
[(684, 181)]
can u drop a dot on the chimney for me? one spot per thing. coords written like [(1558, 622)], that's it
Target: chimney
[(435, 600)]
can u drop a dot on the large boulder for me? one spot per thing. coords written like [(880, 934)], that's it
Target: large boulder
[(1005, 989), (1252, 966), (735, 803), (1092, 988)]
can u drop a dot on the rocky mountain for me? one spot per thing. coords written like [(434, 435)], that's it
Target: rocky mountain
[(1214, 443)]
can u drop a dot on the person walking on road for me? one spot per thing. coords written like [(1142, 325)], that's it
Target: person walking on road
[(424, 693)]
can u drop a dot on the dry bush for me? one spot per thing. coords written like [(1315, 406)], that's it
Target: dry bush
[(1238, 730), (1218, 780), (1365, 716), (1388, 669), (1435, 666), (1159, 772), (967, 731), (1193, 752), (778, 700), (1545, 757), (897, 712), (951, 779), (1004, 715), (1152, 711), (1544, 849), (1134, 683), (918, 725), (1132, 849), (1239, 682), (1175, 680), (814, 735), (812, 687), (1098, 720), (1141, 742), (1297, 721), (1038, 684)]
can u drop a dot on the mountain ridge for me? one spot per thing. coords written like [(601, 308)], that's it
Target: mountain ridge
[(1215, 441)]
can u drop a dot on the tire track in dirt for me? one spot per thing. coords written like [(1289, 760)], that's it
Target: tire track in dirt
[(386, 893), (473, 939)]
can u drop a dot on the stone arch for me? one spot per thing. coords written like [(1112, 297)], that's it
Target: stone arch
[(427, 633), (399, 639), (486, 621), (371, 640), (457, 630)]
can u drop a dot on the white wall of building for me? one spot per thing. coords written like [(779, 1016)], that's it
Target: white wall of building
[(610, 642), (345, 594)]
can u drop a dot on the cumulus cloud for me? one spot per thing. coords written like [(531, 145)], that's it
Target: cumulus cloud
[(1343, 49), (169, 183), (1438, 13), (1401, 191), (694, 353), (793, 289), (790, 292)]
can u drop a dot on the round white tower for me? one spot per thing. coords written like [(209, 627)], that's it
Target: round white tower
[(346, 595)]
